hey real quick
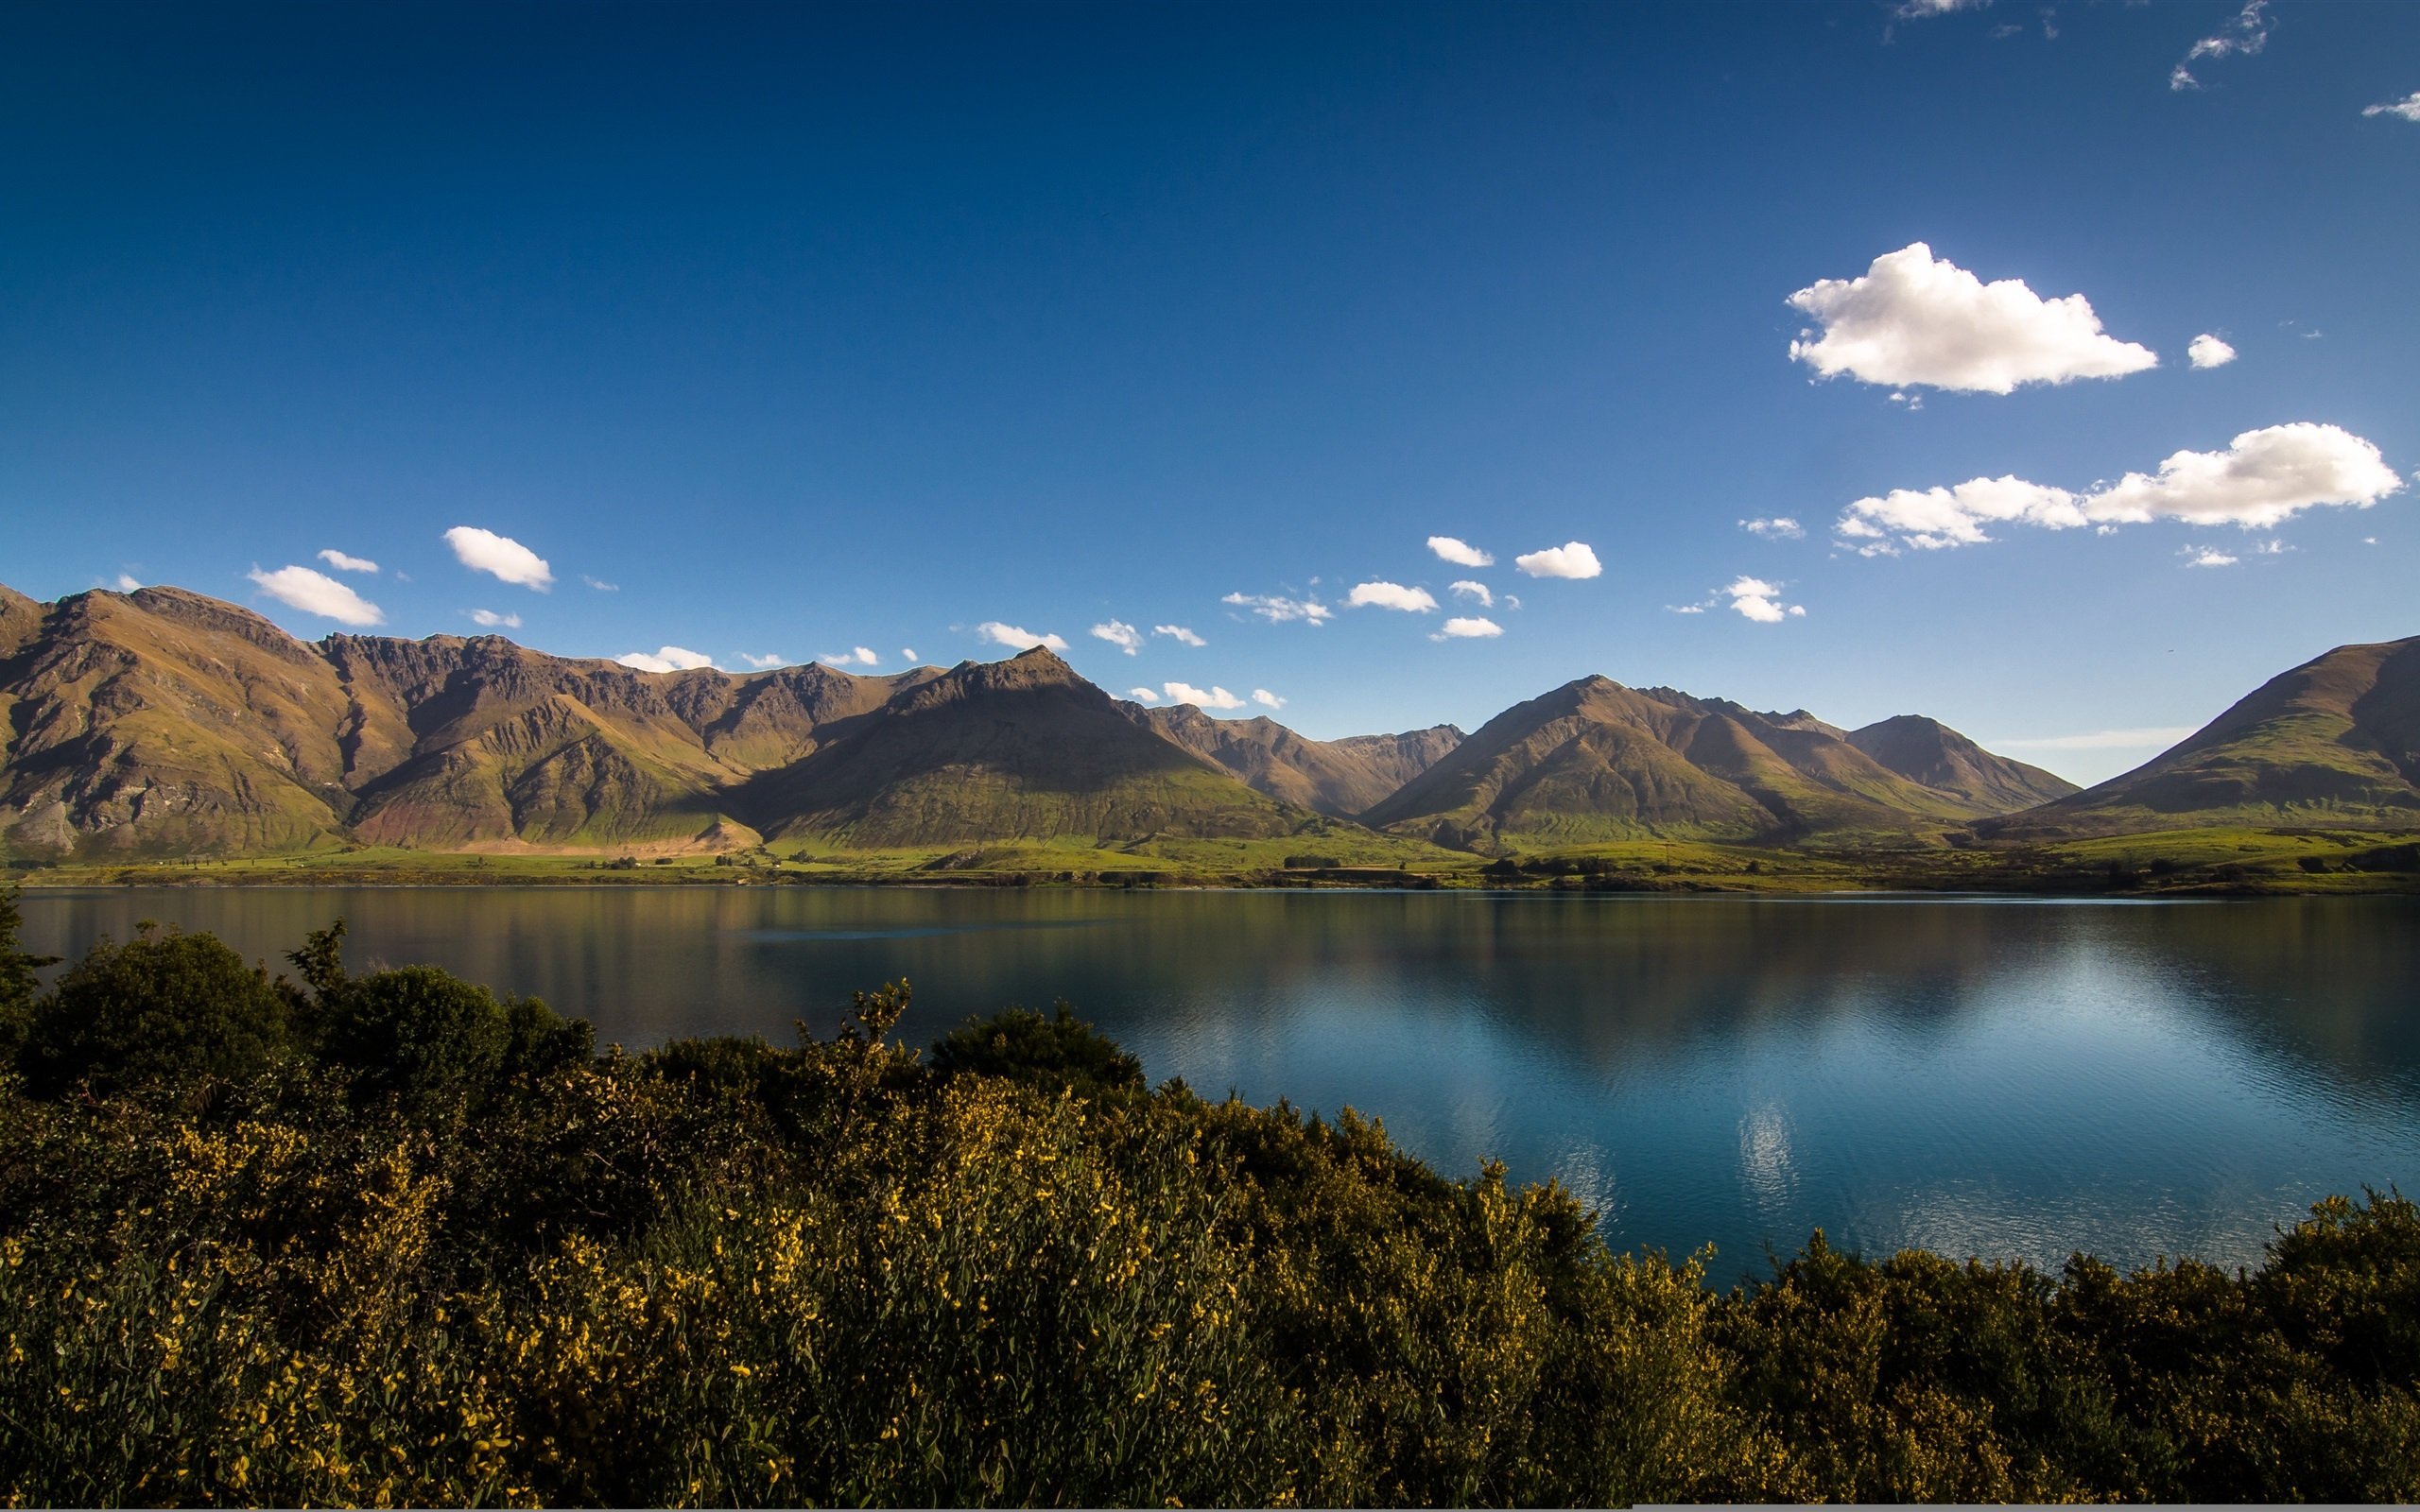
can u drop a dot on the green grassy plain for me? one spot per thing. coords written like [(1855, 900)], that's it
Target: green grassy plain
[(2254, 861)]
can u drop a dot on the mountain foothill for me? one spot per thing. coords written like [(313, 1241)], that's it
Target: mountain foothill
[(163, 723)]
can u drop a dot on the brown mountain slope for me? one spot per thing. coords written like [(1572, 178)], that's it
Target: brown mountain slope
[(2333, 742), (1017, 750), (163, 722), (1927, 752), (1336, 777), (1595, 760)]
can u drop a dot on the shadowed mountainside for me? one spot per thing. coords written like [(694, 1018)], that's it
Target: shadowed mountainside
[(1338, 777), (2334, 741)]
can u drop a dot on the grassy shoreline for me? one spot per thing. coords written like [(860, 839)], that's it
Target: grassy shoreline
[(2184, 863)]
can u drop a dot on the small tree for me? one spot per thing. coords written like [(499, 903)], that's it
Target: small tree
[(18, 983)]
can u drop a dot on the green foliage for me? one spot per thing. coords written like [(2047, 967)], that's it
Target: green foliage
[(1059, 1053), (728, 1273), (18, 983), (165, 1006)]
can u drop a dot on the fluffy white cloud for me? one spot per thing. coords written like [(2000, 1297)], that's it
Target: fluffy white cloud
[(1178, 634), (1911, 318), (856, 656), (763, 662), (666, 658), (2209, 351), (909, 654), (1267, 700), (343, 563), (1686, 609), (599, 585), (484, 551), (1461, 553), (1201, 697), (492, 619), (1471, 629), (128, 583), (1466, 589), (1759, 600), (2104, 739), (317, 594), (1389, 596), (2247, 34), (2407, 109), (1780, 525), (1119, 634), (2263, 477), (2206, 556), (1142, 695), (1570, 559), (1278, 610), (1015, 638)]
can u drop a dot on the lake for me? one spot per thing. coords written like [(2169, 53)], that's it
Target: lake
[(2016, 1078)]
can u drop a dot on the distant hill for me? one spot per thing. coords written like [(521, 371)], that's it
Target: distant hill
[(2334, 741), (1929, 752), (1595, 760), (1340, 777), (1017, 750)]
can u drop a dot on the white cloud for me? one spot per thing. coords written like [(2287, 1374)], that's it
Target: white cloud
[(1781, 526), (484, 551), (1913, 320), (1278, 610), (128, 583), (1686, 609), (1759, 600), (1119, 634), (600, 586), (909, 654), (343, 563), (1142, 696), (1461, 553), (1267, 700), (1467, 589), (1571, 560), (1920, 9), (763, 662), (1389, 596), (1512, 601), (317, 594), (2209, 351), (2407, 109), (2104, 740), (1471, 629), (2271, 547), (2246, 34), (858, 656), (1015, 638), (2263, 477), (1178, 634), (2206, 556), (1201, 697), (492, 619), (666, 658)]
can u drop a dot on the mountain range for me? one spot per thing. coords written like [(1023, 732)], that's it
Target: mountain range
[(165, 723)]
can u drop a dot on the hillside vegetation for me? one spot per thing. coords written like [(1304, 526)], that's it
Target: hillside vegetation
[(387, 1239)]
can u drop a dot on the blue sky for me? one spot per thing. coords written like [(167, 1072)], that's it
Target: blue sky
[(816, 329)]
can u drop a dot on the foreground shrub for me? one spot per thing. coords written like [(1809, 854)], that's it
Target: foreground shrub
[(165, 1007), (435, 1253)]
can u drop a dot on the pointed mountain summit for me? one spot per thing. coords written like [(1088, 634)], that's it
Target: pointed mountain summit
[(1595, 760), (2334, 741), (1018, 749), (1927, 752)]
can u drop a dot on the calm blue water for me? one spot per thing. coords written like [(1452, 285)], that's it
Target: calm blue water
[(2016, 1078)]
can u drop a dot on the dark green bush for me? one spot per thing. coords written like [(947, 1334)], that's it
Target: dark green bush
[(1059, 1053), (168, 1006)]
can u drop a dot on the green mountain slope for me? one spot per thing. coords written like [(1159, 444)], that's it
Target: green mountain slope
[(1929, 752), (2334, 741), (1017, 750), (1594, 761)]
